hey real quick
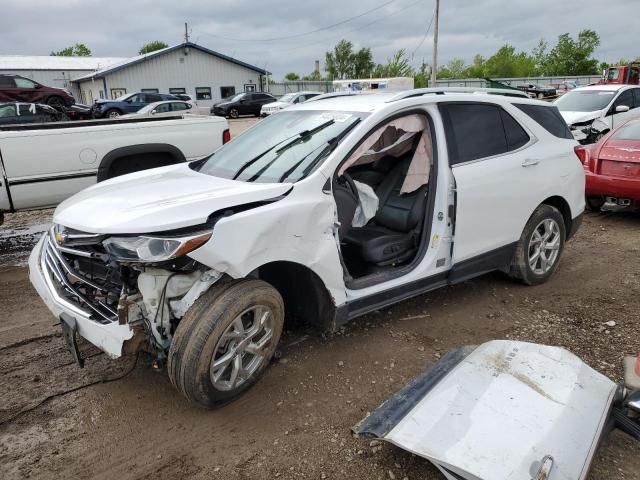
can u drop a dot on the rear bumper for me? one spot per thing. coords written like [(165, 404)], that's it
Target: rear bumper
[(108, 337), (603, 185)]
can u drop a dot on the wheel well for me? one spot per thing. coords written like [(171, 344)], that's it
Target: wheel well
[(306, 299), (138, 157), (562, 205)]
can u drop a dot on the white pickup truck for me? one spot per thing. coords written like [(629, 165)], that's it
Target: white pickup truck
[(43, 164)]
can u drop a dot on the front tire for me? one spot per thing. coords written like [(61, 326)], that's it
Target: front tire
[(233, 113), (540, 246), (225, 341), (113, 113)]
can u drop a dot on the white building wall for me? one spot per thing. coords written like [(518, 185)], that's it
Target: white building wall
[(179, 70)]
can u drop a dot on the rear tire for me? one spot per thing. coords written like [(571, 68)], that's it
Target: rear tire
[(540, 247), (225, 341)]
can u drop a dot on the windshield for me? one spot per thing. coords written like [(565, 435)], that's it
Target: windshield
[(283, 148), (631, 131), (288, 98), (122, 98), (147, 108), (584, 100), (233, 98)]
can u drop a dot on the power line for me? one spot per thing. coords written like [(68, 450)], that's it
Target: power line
[(426, 34), (298, 35), (356, 28)]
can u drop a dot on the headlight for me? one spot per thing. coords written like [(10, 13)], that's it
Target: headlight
[(153, 249)]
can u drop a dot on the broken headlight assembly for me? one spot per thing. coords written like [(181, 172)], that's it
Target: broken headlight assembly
[(150, 249)]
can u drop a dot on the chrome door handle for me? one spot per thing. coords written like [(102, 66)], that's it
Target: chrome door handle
[(529, 162)]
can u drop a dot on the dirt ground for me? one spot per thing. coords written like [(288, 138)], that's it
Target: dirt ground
[(58, 421)]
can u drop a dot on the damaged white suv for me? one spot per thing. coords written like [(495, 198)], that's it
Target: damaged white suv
[(322, 212)]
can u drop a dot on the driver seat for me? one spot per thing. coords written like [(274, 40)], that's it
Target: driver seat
[(393, 235)]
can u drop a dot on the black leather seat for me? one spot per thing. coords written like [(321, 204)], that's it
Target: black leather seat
[(392, 236)]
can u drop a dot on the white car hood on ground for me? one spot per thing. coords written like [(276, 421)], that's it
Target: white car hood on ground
[(158, 200), (500, 411), (577, 117)]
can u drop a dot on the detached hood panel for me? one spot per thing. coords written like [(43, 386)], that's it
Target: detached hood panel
[(500, 411), (579, 117), (157, 200)]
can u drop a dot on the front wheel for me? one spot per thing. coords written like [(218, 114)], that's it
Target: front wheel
[(538, 252), (540, 95), (113, 113), (225, 341), (233, 113)]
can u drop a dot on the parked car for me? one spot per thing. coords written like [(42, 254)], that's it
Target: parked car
[(78, 111), (14, 88), (242, 104), (129, 103), (592, 111), (166, 108), (286, 101), (326, 211), (44, 164), (538, 91), (20, 113), (186, 98), (612, 168)]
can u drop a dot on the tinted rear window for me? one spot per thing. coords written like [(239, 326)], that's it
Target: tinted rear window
[(548, 118)]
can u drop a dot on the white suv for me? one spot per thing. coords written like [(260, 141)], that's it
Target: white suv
[(324, 212)]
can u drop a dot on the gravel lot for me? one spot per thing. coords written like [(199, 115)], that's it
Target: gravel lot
[(296, 422)]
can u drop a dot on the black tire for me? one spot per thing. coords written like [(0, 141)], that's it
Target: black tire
[(233, 113), (56, 102), (198, 336), (112, 113), (594, 203), (520, 268), (540, 95)]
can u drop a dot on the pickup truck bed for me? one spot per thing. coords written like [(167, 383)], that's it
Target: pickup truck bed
[(43, 164)]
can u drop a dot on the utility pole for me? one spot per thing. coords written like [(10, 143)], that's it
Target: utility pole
[(186, 33), (434, 66)]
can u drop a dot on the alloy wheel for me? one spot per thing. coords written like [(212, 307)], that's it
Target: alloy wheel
[(239, 352), (544, 246)]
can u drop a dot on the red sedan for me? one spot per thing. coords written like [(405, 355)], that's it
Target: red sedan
[(612, 167)]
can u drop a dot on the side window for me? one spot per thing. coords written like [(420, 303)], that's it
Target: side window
[(548, 118), (135, 99), (28, 109), (516, 135), (474, 131), (163, 108), (636, 98), (24, 83), (203, 93), (625, 98), (177, 106), (8, 110), (6, 82)]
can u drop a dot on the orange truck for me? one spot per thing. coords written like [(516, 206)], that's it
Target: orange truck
[(622, 74)]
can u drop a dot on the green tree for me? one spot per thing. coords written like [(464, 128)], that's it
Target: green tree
[(457, 68), (421, 78), (77, 50), (476, 69), (573, 57), (314, 76), (506, 62), (398, 65), (363, 64), (152, 47), (292, 76), (339, 62)]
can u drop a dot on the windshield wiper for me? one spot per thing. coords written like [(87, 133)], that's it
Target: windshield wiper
[(296, 138), (302, 137)]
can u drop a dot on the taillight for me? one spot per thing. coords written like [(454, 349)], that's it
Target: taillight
[(226, 136), (584, 154)]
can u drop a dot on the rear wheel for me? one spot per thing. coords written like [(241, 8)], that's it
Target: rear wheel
[(538, 252), (225, 341)]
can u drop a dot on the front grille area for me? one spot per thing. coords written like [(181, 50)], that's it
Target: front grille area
[(83, 277)]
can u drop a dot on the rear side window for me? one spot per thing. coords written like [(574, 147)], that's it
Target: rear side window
[(548, 118), (6, 81), (480, 130)]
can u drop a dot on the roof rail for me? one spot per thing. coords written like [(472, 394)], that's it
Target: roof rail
[(346, 93), (417, 92)]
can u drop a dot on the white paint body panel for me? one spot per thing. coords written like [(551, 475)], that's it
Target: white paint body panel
[(506, 406), (49, 153)]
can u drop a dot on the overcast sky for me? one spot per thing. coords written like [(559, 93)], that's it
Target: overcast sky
[(119, 28)]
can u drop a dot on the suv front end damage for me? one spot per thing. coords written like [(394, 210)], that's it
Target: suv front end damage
[(121, 294)]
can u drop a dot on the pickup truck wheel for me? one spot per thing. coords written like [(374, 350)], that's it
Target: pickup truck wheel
[(225, 341), (233, 113), (113, 113), (538, 252)]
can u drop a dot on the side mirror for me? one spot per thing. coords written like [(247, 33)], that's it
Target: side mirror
[(622, 108), (154, 111), (242, 100)]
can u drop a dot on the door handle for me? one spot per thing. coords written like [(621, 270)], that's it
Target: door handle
[(529, 162)]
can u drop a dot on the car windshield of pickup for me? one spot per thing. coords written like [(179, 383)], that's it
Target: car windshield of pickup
[(283, 148), (584, 100)]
